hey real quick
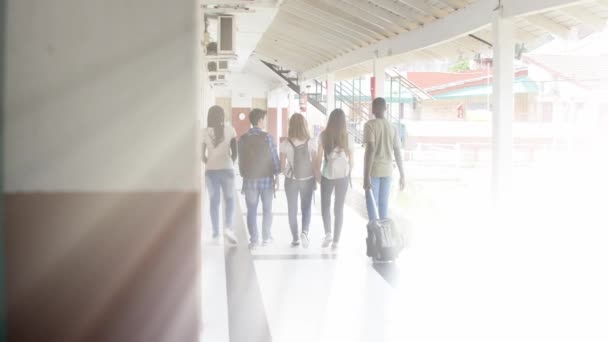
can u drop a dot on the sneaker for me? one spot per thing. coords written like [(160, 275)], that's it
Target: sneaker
[(326, 241), (253, 245), (305, 241), (267, 242), (216, 239), (229, 236), (334, 246), (295, 243)]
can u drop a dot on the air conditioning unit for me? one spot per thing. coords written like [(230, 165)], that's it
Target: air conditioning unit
[(222, 65), (225, 35), (218, 66)]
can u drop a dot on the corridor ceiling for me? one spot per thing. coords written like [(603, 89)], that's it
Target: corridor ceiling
[(314, 37)]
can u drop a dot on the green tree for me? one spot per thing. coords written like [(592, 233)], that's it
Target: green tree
[(461, 65)]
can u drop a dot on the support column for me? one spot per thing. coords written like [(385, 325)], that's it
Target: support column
[(502, 105), (379, 76), (331, 93)]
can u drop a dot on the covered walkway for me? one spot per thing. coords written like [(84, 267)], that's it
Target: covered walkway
[(105, 232)]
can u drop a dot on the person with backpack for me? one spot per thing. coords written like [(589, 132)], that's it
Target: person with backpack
[(259, 167), (381, 145), (219, 155), (334, 164), (297, 154)]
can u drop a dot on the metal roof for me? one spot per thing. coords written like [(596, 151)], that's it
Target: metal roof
[(307, 34)]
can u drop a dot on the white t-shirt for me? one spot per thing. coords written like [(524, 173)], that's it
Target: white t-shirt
[(218, 157), (287, 149)]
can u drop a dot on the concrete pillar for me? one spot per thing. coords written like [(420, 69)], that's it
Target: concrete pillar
[(502, 105), (379, 77), (101, 170), (331, 94)]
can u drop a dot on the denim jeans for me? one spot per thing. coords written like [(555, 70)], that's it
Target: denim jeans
[(252, 198), (381, 188), (327, 188), (303, 188), (219, 181)]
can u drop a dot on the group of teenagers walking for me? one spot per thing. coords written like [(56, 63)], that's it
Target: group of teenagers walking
[(304, 164)]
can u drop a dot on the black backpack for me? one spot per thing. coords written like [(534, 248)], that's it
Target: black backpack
[(255, 160), (302, 165)]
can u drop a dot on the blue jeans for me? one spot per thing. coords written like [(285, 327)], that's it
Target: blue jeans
[(220, 181), (303, 188), (252, 198), (381, 188)]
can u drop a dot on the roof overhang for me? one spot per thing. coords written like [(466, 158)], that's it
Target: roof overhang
[(457, 24)]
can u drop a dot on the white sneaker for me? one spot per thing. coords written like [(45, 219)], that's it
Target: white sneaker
[(267, 242), (326, 241), (304, 239), (230, 236)]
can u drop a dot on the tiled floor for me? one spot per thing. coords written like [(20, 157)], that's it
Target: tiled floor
[(463, 277)]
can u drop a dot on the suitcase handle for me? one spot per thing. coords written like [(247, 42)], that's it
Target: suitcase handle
[(374, 204)]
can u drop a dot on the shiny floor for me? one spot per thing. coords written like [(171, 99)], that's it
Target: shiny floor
[(462, 278)]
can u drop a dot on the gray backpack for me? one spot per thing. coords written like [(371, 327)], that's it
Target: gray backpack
[(302, 163)]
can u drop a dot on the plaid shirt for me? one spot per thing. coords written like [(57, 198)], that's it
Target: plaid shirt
[(266, 182)]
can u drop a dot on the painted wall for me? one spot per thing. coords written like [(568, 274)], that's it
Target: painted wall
[(88, 111), (226, 104), (101, 171), (272, 122)]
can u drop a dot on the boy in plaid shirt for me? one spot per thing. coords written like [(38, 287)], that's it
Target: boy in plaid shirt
[(259, 166)]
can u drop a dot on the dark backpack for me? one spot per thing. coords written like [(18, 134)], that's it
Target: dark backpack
[(255, 160), (302, 165)]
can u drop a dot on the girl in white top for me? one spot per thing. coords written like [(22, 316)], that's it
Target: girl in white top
[(219, 155), (297, 154), (334, 164)]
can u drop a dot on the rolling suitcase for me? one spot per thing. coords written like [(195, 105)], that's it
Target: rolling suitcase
[(385, 240)]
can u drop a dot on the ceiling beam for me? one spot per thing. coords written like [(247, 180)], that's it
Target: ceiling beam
[(351, 16), (404, 11), (549, 25), (425, 7), (528, 7), (319, 41), (338, 20), (365, 9), (456, 4), (282, 39), (586, 17), (459, 23), (244, 3), (312, 45), (334, 26), (521, 35), (310, 25), (311, 33)]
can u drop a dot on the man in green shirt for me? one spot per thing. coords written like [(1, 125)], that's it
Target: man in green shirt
[(381, 144)]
